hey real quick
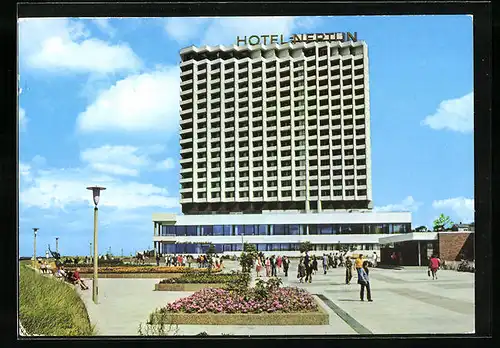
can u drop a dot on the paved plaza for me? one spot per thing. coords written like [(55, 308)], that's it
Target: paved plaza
[(405, 302)]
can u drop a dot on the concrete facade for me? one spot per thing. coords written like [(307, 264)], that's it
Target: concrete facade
[(272, 232), (275, 127)]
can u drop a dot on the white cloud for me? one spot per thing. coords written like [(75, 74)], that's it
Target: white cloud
[(23, 120), (125, 160), (461, 209), (66, 45), (39, 161), (183, 30), (143, 102), (454, 114), (24, 172), (105, 26), (223, 30), (407, 204), (169, 163), (119, 160), (62, 188)]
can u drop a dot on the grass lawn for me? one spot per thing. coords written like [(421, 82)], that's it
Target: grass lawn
[(50, 307)]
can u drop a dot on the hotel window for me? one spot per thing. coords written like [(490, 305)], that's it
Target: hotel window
[(228, 230), (249, 230), (262, 230), (313, 229), (180, 230), (325, 229), (294, 230), (218, 230)]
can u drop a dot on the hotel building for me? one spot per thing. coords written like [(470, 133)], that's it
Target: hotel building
[(275, 150)]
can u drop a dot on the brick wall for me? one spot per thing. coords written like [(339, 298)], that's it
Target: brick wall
[(452, 244)]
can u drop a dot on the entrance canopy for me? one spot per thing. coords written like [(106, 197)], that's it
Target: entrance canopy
[(408, 237)]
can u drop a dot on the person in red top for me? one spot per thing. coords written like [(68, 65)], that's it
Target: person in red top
[(434, 264), (77, 280)]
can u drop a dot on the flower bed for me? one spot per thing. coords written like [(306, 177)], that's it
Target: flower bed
[(203, 278), (144, 269), (287, 306), (198, 281)]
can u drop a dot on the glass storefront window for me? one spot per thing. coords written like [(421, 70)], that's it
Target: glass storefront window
[(279, 230), (346, 229), (294, 230), (313, 229), (208, 230), (180, 230), (275, 247), (249, 230), (382, 228), (228, 230), (218, 248), (238, 230), (335, 229), (325, 229), (191, 230), (261, 247), (357, 228), (262, 230), (302, 230), (218, 230), (227, 247)]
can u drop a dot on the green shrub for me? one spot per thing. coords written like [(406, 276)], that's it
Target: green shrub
[(51, 307), (201, 278)]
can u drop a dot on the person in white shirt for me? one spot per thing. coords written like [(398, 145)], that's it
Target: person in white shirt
[(374, 259)]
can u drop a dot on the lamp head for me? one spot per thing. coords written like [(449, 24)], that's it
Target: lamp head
[(35, 230), (96, 193)]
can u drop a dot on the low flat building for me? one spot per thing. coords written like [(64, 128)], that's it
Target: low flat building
[(276, 232), (415, 249)]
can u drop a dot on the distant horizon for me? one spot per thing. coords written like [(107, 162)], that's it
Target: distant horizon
[(98, 104)]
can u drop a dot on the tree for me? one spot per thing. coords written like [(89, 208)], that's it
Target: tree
[(247, 257), (211, 249), (442, 223), (421, 229), (305, 246)]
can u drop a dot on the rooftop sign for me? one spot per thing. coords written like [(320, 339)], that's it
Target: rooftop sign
[(295, 38)]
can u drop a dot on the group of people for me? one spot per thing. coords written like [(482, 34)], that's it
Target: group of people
[(203, 261), (272, 265)]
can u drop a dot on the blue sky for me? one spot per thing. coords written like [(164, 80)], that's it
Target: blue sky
[(99, 101)]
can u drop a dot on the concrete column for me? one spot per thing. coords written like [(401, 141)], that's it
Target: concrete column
[(307, 229), (319, 202), (419, 254)]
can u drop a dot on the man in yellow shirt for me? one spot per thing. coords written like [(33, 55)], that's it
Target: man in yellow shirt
[(359, 263)]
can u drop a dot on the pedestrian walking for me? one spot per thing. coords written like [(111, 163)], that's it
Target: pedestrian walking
[(157, 259), (309, 268), (301, 271), (359, 263), (273, 266), (434, 264), (258, 266), (315, 264), (268, 267), (325, 263), (364, 281), (279, 262), (286, 265), (374, 259), (348, 270)]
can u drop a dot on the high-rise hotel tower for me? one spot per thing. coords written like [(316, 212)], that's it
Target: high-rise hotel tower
[(276, 127), (275, 151)]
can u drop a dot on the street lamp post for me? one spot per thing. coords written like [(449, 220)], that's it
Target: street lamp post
[(96, 192), (35, 230), (90, 250), (57, 244)]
